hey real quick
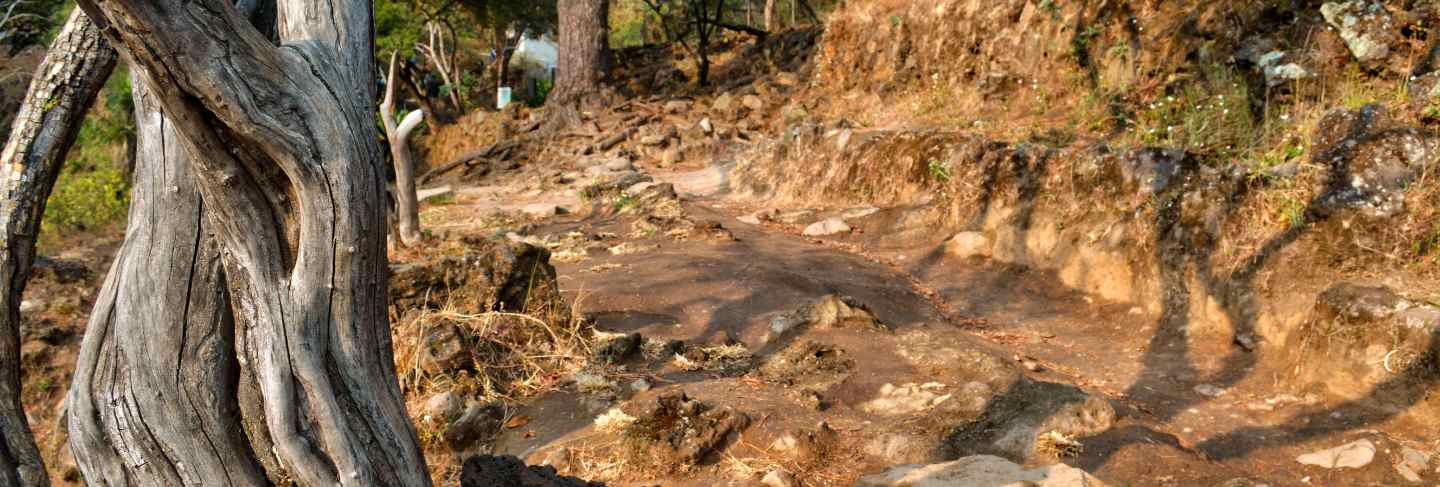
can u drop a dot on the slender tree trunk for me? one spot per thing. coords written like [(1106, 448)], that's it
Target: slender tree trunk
[(62, 91), (407, 207), (770, 25), (584, 30), (281, 144)]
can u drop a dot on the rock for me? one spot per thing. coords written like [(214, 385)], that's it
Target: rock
[(1360, 336), (618, 165), (779, 478), (723, 104), (677, 106), (965, 245), (655, 140), (590, 382), (673, 431), (487, 276), (1280, 67), (476, 425), (806, 365), (1151, 170), (903, 447), (794, 217), (1376, 159), (30, 305), (831, 311), (1208, 390), (706, 127), (671, 156), (1033, 411), (785, 78), (1355, 454), (1366, 27), (980, 471), (750, 219), (444, 407), (446, 349), (640, 385), (493, 471), (859, 212), (617, 349), (754, 103), (1247, 341), (907, 399), (827, 227), (541, 210), (1411, 463), (639, 188)]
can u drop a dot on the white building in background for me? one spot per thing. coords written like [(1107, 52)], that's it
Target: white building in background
[(535, 59)]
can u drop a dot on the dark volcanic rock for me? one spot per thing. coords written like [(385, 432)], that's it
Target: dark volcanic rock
[(508, 471)]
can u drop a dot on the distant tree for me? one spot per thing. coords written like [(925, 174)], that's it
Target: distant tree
[(696, 24), (508, 21)]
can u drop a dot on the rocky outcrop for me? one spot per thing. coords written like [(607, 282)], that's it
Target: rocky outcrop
[(1360, 336), (485, 276), (980, 471)]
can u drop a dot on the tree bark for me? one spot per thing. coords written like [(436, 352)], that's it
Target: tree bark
[(407, 207), (281, 144), (64, 87), (154, 397), (770, 25), (584, 48)]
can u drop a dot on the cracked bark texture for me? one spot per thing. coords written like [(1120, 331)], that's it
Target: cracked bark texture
[(584, 46), (281, 146), (66, 83)]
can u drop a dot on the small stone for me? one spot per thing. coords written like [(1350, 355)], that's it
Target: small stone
[(444, 407), (27, 306), (677, 106), (671, 156), (1411, 463), (1355, 454), (827, 227), (754, 103), (640, 385), (1208, 390), (965, 245), (749, 219), (652, 140), (785, 78), (541, 210), (619, 164), (778, 478), (707, 127), (1247, 341)]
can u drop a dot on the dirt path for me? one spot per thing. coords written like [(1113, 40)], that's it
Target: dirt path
[(1184, 417)]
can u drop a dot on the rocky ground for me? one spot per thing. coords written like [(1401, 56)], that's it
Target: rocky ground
[(778, 280)]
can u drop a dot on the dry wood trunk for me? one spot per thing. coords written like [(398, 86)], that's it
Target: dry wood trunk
[(74, 71), (407, 207), (281, 144)]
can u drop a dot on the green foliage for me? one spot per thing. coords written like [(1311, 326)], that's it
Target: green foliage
[(398, 26), (938, 171), (625, 202), (93, 191), (543, 87), (1212, 115)]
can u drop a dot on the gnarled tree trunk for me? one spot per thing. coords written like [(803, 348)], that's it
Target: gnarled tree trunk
[(64, 86), (584, 48), (280, 143), (770, 25)]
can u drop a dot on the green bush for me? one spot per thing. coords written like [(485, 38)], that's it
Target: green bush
[(93, 190)]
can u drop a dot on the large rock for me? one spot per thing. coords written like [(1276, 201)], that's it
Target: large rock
[(486, 276), (673, 431), (980, 471), (968, 244), (828, 312), (508, 471), (1360, 336), (827, 227), (1355, 454), (1367, 28), (1371, 160)]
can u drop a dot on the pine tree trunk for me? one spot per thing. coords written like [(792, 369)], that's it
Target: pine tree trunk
[(65, 85), (584, 48), (281, 144)]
